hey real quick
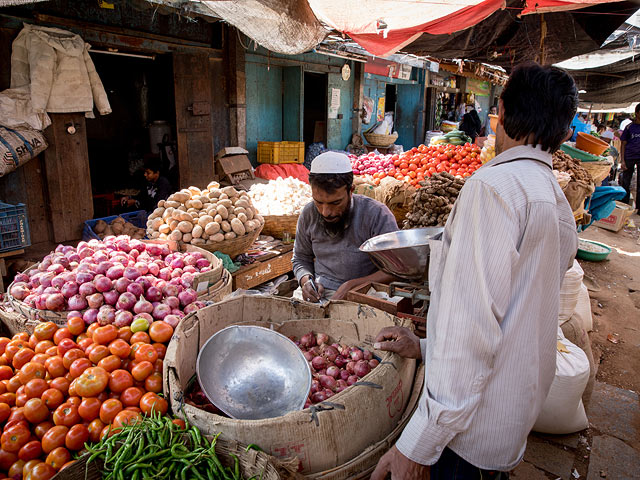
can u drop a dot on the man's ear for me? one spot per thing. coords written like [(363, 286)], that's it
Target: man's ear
[(500, 112), (353, 187)]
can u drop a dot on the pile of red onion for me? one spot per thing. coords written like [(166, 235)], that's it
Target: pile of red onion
[(334, 367), (113, 281)]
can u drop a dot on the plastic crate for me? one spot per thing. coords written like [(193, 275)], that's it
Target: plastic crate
[(14, 227), (280, 152), (137, 218)]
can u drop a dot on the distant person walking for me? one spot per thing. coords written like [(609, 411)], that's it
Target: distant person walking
[(630, 157), (471, 124)]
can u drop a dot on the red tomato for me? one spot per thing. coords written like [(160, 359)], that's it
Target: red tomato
[(5, 411), (15, 471), (120, 380), (125, 333), (120, 348), (45, 330), (89, 408), (152, 402), (54, 438), (126, 417), (105, 335), (109, 409), (110, 363), (42, 471), (76, 438), (142, 370), (95, 429), (75, 325), (43, 346), (58, 457), (97, 353), (140, 337), (92, 382), (71, 356), (13, 439), (79, 366), (60, 383), (179, 422), (131, 396), (22, 357), (61, 334), (67, 415), (6, 372), (65, 345), (153, 383), (7, 459), (30, 450), (36, 411)]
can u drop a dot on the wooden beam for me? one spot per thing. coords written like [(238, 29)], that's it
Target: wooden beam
[(358, 96), (237, 94)]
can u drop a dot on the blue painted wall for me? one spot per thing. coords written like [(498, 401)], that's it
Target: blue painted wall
[(409, 103), (267, 112)]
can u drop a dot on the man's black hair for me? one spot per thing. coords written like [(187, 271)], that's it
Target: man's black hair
[(637, 109), (152, 164), (330, 182), (539, 101)]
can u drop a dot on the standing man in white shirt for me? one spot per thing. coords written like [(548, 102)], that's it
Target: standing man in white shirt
[(495, 279)]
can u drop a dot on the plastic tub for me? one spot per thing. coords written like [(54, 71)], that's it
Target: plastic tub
[(592, 256), (591, 144), (493, 121), (580, 154)]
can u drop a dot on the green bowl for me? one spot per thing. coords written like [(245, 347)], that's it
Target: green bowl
[(593, 256), (580, 154)]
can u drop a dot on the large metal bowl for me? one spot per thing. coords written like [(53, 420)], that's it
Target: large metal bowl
[(252, 372), (404, 253)]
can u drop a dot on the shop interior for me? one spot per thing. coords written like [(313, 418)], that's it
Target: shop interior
[(391, 95), (315, 108), (140, 128)]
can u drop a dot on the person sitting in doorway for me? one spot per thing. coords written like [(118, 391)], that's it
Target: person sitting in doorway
[(471, 124), (156, 188), (331, 229)]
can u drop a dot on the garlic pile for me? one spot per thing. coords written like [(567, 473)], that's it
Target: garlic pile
[(204, 217), (281, 196)]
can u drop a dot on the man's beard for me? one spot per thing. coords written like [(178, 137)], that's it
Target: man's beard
[(336, 229)]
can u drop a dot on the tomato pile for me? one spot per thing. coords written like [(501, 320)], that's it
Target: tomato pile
[(414, 165), (64, 386)]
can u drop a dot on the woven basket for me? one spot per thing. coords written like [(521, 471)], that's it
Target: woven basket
[(234, 247), (400, 212), (277, 225), (598, 170), (218, 291), (252, 463), (32, 316), (378, 140)]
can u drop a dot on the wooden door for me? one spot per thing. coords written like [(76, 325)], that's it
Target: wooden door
[(68, 177), (192, 82)]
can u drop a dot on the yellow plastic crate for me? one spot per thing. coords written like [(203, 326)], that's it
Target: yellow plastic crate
[(280, 152)]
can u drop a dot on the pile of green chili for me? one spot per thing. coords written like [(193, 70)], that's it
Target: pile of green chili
[(157, 448)]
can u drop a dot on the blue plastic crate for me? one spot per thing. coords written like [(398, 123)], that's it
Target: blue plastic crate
[(138, 218), (14, 227)]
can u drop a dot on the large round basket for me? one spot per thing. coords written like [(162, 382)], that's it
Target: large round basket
[(214, 278), (277, 225), (252, 464), (217, 292), (236, 246), (598, 170), (378, 140)]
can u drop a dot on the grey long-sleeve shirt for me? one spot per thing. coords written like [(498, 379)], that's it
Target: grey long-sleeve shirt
[(334, 261)]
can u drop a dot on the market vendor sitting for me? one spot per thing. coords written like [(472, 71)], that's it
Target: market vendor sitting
[(156, 188), (332, 228)]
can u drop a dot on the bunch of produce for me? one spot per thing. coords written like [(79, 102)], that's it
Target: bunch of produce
[(372, 163), (118, 226), (414, 165), (63, 387), (434, 201), (204, 217), (488, 149), (563, 178), (286, 196), (566, 163), (454, 137), (117, 280), (334, 367), (158, 447)]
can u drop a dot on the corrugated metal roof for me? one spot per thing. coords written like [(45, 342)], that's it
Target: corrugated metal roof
[(13, 3)]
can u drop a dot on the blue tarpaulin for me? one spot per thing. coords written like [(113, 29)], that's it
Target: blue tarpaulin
[(603, 202)]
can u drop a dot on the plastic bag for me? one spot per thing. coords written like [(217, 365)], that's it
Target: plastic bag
[(563, 410), (569, 292)]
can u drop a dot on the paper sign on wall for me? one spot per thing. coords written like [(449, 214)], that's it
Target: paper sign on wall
[(380, 112), (335, 103)]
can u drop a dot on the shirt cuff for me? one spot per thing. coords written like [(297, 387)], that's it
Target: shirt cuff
[(301, 273), (423, 440)]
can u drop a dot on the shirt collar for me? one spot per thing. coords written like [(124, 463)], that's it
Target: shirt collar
[(524, 152)]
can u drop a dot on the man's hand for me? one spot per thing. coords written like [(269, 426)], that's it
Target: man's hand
[(342, 291), (399, 340), (307, 291), (623, 165), (400, 467)]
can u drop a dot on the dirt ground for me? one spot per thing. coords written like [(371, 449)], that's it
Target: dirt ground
[(614, 289)]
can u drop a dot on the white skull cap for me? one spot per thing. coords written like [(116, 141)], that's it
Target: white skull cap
[(331, 162)]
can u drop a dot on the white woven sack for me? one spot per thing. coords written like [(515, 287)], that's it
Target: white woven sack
[(569, 292), (583, 309), (18, 146), (563, 411)]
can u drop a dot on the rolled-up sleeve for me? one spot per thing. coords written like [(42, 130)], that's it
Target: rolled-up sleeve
[(470, 302), (302, 250)]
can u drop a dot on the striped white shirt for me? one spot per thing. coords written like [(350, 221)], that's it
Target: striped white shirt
[(495, 279)]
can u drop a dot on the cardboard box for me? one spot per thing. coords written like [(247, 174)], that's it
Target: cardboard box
[(234, 169), (617, 219), (228, 151)]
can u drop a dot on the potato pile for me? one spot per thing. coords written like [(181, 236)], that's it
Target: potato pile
[(434, 201), (118, 226), (204, 217)]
